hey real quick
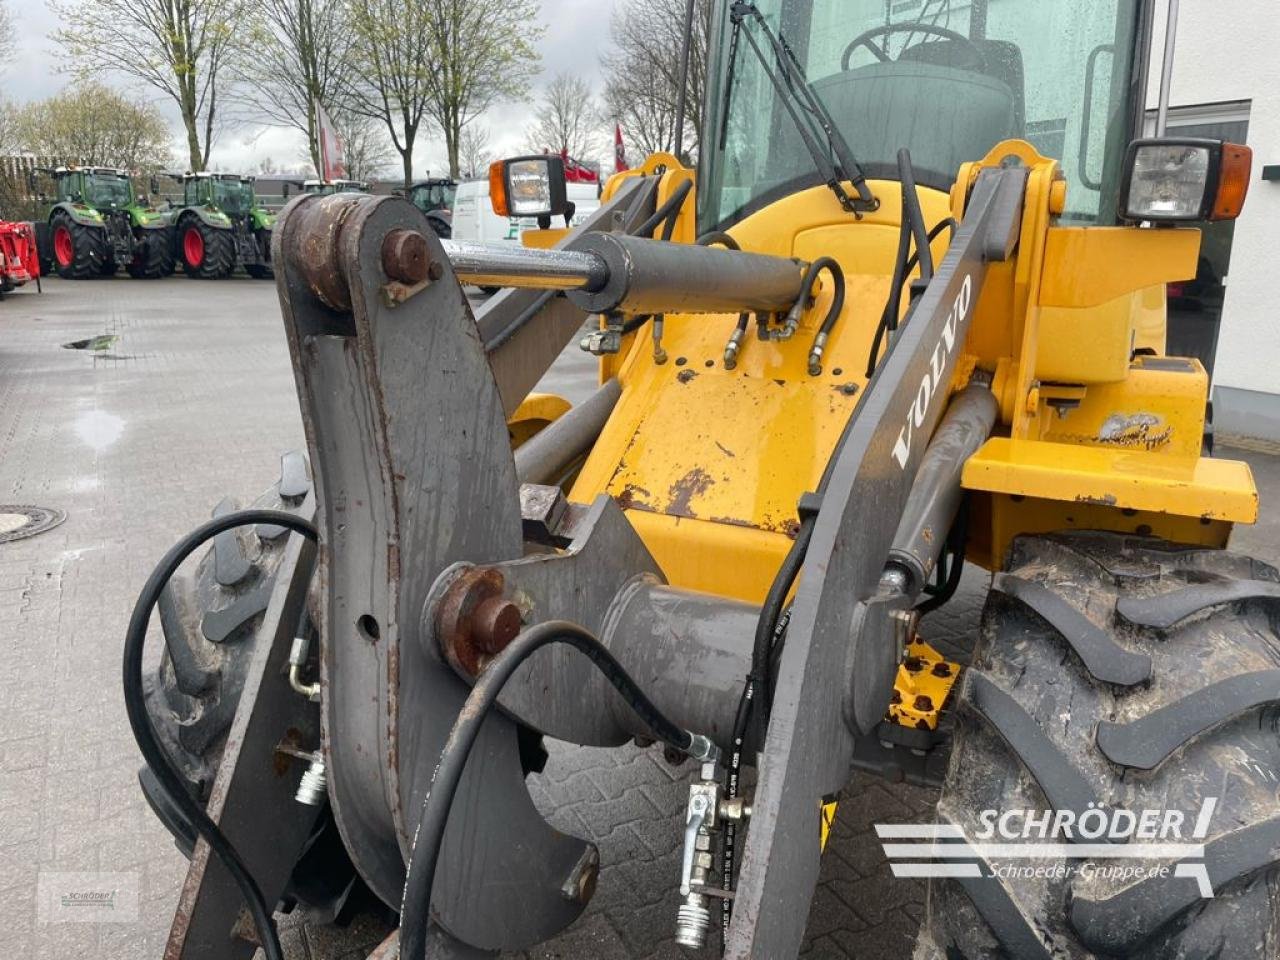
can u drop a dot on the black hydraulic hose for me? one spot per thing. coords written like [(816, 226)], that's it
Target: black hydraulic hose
[(720, 237), (770, 612), (911, 204), (756, 697), (166, 774), (833, 312), (889, 318), (669, 210), (415, 906), (946, 223)]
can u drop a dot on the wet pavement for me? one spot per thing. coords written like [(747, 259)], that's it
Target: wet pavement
[(181, 394)]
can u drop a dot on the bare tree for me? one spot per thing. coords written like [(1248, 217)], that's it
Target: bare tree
[(366, 149), (301, 55), (182, 48), (484, 52), (474, 153), (643, 70), (394, 50), (95, 125), (566, 120)]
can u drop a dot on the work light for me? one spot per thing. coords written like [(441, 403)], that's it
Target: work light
[(1174, 180), (527, 186)]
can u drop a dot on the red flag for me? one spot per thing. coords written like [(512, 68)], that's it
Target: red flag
[(574, 172), (333, 165), (619, 151)]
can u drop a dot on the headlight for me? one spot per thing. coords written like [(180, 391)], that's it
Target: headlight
[(527, 187), (1172, 180)]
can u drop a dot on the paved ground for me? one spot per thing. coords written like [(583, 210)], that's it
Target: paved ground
[(136, 442)]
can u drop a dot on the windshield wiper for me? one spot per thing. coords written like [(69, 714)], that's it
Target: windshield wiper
[(806, 110)]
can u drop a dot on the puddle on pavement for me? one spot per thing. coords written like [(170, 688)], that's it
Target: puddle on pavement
[(102, 341), (99, 429)]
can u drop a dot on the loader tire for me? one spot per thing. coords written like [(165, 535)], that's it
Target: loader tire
[(210, 619), (1132, 674), (207, 253), (79, 251), (154, 259)]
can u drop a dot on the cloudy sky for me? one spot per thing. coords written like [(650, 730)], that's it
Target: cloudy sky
[(577, 32)]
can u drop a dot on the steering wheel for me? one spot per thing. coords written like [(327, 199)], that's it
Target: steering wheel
[(881, 53)]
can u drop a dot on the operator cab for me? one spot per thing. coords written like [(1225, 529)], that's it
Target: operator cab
[(949, 78)]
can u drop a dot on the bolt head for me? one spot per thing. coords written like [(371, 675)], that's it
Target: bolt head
[(405, 257), (495, 624)]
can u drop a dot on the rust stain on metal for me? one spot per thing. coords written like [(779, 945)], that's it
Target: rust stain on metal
[(469, 622), (1133, 430), (634, 497), (404, 256), (684, 376), (791, 528), (1106, 500), (694, 483), (315, 246)]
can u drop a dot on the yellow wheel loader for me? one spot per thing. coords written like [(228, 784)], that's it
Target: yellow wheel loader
[(910, 317)]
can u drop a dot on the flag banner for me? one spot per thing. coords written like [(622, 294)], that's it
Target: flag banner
[(619, 151), (333, 165)]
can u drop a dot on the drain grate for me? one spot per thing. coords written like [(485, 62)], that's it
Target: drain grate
[(20, 522)]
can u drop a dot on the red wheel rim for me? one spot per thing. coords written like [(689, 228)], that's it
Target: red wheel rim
[(193, 247), (63, 247)]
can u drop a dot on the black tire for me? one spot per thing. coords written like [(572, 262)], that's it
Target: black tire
[(215, 256), (442, 227), (1029, 703), (89, 252), (154, 257), (261, 270), (211, 619)]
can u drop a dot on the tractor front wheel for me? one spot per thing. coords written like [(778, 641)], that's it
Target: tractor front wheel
[(153, 257), (207, 253), (1130, 686), (79, 251), (262, 269)]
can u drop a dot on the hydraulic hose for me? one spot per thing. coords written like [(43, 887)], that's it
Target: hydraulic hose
[(833, 312), (667, 212), (756, 693), (720, 237), (166, 774), (415, 906)]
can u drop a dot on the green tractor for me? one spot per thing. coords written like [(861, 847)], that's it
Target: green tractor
[(434, 197), (221, 225), (98, 223)]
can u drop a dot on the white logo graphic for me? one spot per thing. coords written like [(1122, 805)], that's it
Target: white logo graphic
[(931, 383), (1006, 837)]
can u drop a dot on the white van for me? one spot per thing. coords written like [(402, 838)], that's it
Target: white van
[(474, 219)]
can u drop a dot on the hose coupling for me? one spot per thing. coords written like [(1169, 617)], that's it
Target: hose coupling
[(313, 788), (297, 660), (815, 354), (734, 347), (702, 749)]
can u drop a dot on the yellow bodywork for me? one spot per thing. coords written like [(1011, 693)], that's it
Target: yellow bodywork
[(1096, 429)]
